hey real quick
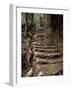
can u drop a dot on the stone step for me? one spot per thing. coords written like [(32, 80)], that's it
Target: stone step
[(45, 61), (48, 50), (52, 56), (45, 44), (44, 47), (36, 53), (49, 57)]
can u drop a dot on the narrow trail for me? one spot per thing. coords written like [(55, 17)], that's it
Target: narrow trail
[(41, 44), (47, 59)]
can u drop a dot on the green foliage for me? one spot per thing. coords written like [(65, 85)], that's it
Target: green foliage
[(37, 20)]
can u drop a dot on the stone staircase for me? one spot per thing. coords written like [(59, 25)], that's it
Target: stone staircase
[(48, 58)]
